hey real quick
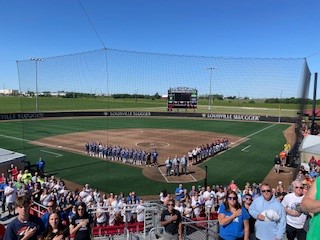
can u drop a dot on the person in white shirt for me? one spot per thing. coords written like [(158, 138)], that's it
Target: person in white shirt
[(178, 206), (11, 194), (195, 204), (101, 216), (209, 198), (140, 211), (295, 217)]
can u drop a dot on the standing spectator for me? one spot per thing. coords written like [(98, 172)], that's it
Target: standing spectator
[(52, 208), (40, 166), (2, 178), (11, 194), (209, 198), (15, 173), (277, 163), (283, 158), (311, 204), (192, 191), (220, 195), (195, 204), (233, 220), (179, 192), (26, 176), (2, 196), (140, 211), (233, 186), (269, 214), (171, 221), (81, 223), (295, 218), (247, 200), (55, 230), (25, 226), (101, 215), (11, 168), (188, 211)]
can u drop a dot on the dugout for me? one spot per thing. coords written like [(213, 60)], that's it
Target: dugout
[(310, 146), (7, 157)]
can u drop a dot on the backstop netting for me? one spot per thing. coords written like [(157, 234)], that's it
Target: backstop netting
[(123, 81), (109, 72)]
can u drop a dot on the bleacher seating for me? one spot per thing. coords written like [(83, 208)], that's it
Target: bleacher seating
[(117, 229)]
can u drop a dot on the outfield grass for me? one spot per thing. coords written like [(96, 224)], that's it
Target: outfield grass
[(16, 104), (252, 165)]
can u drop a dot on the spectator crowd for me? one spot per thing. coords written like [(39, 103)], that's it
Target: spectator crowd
[(74, 212)]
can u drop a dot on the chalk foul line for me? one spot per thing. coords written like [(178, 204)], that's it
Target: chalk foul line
[(57, 154), (245, 148)]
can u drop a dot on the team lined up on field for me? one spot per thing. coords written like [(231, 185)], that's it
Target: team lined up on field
[(142, 157), (203, 152), (123, 154)]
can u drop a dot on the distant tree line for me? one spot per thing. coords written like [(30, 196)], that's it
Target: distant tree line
[(136, 96), (63, 94)]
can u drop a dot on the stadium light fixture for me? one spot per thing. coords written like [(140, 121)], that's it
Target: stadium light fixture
[(210, 88), (279, 118), (36, 60)]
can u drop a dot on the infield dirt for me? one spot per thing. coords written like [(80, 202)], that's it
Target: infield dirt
[(166, 142)]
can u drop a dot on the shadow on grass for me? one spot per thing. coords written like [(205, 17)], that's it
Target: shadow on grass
[(55, 171)]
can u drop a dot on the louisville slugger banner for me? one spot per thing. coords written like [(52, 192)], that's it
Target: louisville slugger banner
[(232, 117), (13, 116), (79, 114), (127, 114)]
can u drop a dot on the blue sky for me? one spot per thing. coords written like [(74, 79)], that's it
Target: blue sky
[(233, 28)]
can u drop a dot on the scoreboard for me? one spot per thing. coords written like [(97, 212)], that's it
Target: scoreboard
[(182, 97)]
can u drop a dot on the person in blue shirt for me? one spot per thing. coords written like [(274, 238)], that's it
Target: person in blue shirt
[(268, 227), (24, 226), (40, 166), (233, 219), (2, 196), (179, 192)]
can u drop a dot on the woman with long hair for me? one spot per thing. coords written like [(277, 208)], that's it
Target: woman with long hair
[(233, 220), (55, 230), (81, 223)]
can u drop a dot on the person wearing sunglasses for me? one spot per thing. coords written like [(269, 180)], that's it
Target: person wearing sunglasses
[(81, 223), (233, 219), (246, 202), (271, 226), (171, 221), (295, 217)]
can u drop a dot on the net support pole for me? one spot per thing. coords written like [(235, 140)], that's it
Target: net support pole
[(313, 130)]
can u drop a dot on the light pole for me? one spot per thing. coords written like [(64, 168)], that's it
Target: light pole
[(210, 95), (238, 98), (279, 118), (36, 60)]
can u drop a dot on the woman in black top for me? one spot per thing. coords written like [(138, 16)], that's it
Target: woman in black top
[(81, 223)]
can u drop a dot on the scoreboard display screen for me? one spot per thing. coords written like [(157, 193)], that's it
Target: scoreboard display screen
[(182, 98)]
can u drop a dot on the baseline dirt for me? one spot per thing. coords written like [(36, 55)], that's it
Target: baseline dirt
[(286, 174)]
